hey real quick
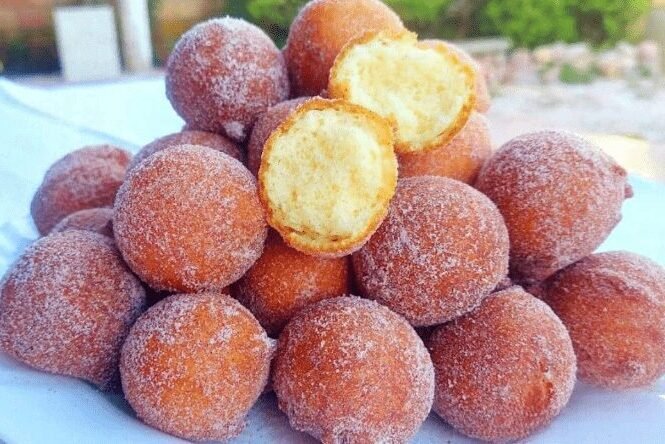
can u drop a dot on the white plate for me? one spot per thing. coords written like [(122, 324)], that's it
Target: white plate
[(37, 407)]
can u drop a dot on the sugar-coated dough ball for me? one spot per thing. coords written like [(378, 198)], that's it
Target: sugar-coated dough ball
[(188, 137), (194, 364), (613, 305), (504, 370), (67, 304), (97, 220), (350, 370), (560, 197), (320, 31), (189, 219), (264, 126), (440, 251), (86, 178), (461, 159), (222, 74), (285, 280)]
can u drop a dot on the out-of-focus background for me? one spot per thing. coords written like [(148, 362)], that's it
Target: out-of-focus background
[(591, 66)]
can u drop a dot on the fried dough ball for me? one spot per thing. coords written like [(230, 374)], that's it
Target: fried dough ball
[(86, 178), (264, 126), (285, 280), (483, 98), (461, 159), (350, 370), (194, 364), (320, 31), (188, 137), (189, 219), (67, 304), (441, 250), (428, 100), (97, 220), (504, 370), (560, 197), (222, 74), (613, 305), (327, 176)]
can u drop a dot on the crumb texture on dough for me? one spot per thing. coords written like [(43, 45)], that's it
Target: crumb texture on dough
[(327, 176), (425, 92)]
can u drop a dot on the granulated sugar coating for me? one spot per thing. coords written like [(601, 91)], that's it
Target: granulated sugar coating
[(504, 370), (461, 159), (264, 126), (483, 97), (97, 220), (189, 219), (440, 251), (188, 137), (194, 364), (285, 280), (320, 31), (222, 74), (67, 304), (560, 197), (349, 370), (613, 305), (86, 178)]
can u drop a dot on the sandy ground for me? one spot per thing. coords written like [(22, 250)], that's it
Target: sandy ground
[(611, 107), (602, 111)]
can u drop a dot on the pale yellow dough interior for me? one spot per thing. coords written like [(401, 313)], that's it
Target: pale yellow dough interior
[(417, 88), (329, 174)]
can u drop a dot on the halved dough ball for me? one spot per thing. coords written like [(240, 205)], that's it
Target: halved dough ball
[(327, 176), (427, 93), (263, 128)]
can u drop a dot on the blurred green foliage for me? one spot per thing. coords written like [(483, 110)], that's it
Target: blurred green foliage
[(418, 10), (535, 22), (428, 18), (573, 75), (605, 22)]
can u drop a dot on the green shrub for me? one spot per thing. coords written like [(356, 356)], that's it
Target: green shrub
[(606, 22), (278, 13), (570, 74), (418, 10), (535, 22), (275, 16)]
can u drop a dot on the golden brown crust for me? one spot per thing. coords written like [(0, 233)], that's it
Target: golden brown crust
[(330, 247), (341, 90)]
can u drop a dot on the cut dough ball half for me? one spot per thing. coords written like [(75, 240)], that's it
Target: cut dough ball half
[(327, 176), (426, 93)]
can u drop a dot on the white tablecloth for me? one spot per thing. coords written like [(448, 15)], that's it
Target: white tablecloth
[(38, 126)]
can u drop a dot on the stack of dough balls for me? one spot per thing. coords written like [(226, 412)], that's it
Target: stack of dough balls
[(357, 161)]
